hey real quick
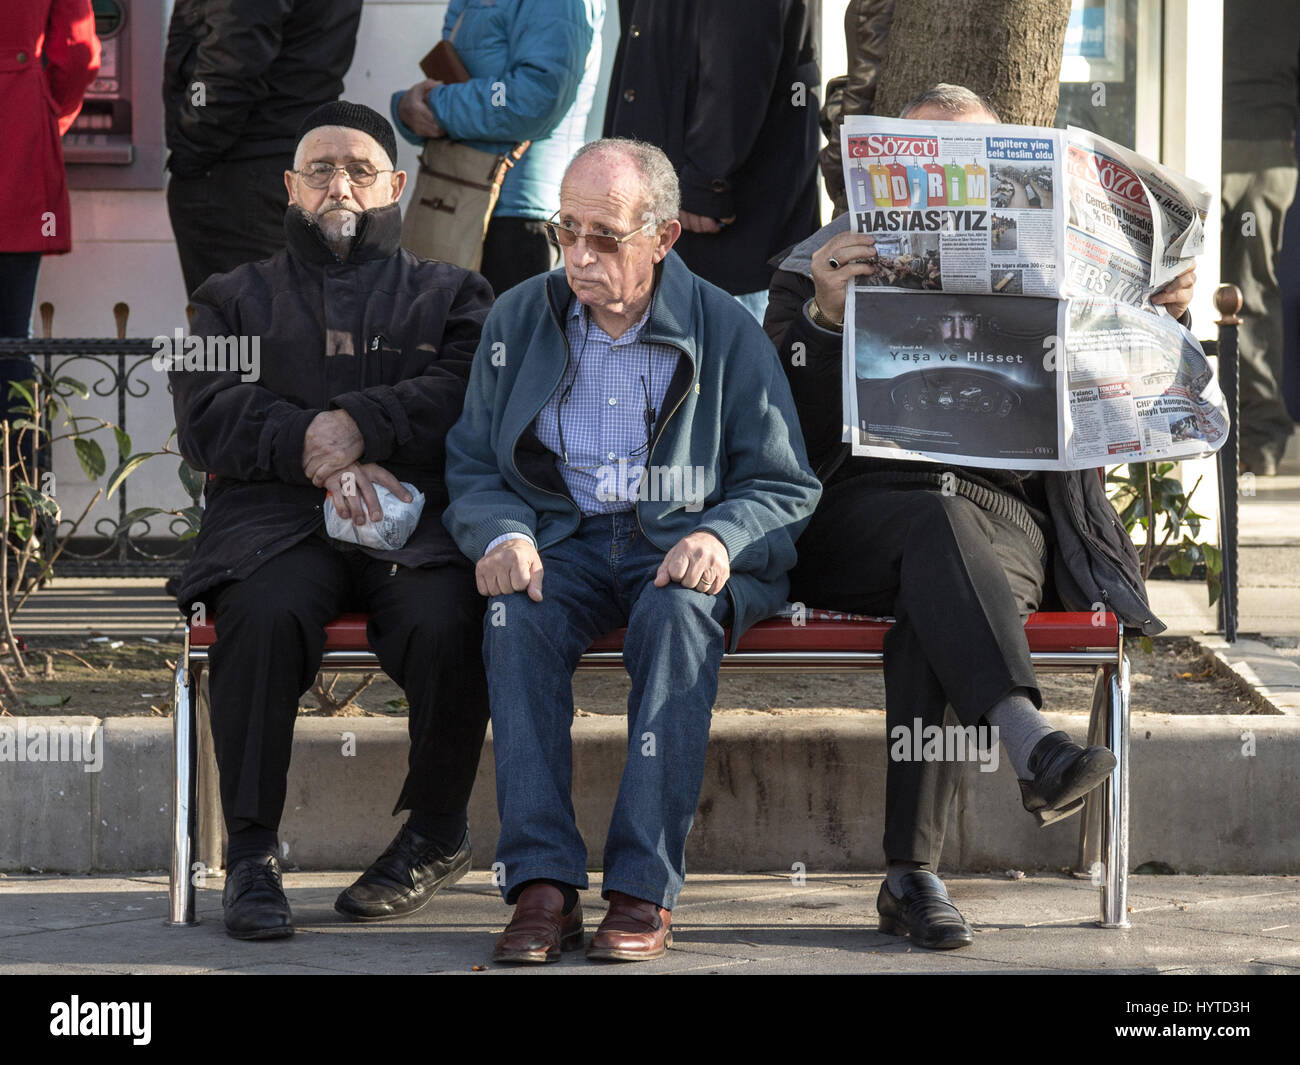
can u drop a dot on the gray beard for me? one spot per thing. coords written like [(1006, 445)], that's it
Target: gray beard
[(333, 223)]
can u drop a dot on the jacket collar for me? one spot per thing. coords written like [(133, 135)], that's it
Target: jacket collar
[(379, 236), (798, 260), (670, 305)]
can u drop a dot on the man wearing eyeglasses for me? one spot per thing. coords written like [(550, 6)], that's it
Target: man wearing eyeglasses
[(364, 355), (598, 393)]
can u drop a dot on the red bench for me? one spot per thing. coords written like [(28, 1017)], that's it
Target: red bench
[(824, 643)]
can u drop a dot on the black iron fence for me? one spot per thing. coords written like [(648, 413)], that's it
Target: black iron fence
[(119, 369)]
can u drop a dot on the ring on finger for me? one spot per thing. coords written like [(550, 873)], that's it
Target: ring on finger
[(833, 263)]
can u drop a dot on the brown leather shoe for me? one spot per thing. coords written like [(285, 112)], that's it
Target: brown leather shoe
[(633, 930), (539, 929)]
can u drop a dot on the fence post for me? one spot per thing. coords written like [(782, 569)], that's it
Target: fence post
[(1227, 300)]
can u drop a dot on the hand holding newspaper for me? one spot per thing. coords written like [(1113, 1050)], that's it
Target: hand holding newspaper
[(1009, 322)]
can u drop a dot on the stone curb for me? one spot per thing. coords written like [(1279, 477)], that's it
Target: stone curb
[(1269, 678), (1210, 795)]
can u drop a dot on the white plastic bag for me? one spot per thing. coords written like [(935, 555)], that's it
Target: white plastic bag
[(387, 534)]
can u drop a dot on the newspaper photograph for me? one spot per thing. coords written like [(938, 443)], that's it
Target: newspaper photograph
[(993, 245), (938, 375)]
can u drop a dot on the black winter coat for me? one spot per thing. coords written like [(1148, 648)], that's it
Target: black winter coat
[(385, 336), (239, 76), (716, 85), (1093, 560)]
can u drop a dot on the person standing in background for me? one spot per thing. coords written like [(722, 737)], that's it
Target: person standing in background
[(866, 31), (728, 90), (533, 67), (49, 55), (1261, 105), (239, 77)]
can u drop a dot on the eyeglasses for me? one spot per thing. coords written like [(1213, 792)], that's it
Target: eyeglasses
[(601, 243), (321, 175)]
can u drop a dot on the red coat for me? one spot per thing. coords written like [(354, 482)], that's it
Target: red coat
[(36, 108)]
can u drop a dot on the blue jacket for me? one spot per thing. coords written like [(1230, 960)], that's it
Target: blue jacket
[(728, 411), (539, 60)]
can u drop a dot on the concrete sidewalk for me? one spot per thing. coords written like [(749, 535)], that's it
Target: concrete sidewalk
[(741, 924)]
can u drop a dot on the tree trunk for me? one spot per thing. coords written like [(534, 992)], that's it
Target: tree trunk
[(1008, 51)]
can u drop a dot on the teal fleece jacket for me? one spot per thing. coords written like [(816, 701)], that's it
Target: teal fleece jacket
[(728, 417)]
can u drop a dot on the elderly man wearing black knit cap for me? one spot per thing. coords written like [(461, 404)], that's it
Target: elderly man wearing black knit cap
[(364, 351)]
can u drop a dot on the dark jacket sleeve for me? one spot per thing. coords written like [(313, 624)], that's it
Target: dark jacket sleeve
[(866, 31), (812, 359), (739, 45), (408, 422), (236, 44), (231, 427)]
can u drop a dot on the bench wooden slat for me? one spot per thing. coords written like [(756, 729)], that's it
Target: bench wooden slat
[(821, 631)]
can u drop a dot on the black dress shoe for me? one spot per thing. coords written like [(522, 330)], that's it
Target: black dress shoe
[(403, 879), (1064, 773), (924, 913), (254, 902)]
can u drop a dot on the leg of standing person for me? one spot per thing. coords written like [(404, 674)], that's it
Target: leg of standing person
[(18, 274), (514, 250), (1257, 191), (231, 215)]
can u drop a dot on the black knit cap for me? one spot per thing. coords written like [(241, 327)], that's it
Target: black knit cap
[(353, 116)]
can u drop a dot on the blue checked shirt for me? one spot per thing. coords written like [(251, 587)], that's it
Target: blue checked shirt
[(601, 405)]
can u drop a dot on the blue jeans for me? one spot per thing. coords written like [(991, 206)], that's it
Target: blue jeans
[(598, 579)]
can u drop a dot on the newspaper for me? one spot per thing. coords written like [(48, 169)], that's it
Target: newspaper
[(1008, 322)]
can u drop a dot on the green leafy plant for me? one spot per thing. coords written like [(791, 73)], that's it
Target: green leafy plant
[(190, 478), (1147, 495)]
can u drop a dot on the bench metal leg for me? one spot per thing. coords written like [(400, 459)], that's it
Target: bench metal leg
[(1114, 818), (181, 892), (1103, 835), (1089, 862)]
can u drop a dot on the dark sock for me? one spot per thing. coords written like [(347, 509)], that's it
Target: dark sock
[(444, 831), (251, 842), (570, 892), (1020, 727), (895, 872)]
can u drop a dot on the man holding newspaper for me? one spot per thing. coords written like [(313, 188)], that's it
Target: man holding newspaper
[(960, 554)]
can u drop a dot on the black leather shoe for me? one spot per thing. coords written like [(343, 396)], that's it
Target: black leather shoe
[(924, 913), (254, 902), (1064, 773), (403, 879)]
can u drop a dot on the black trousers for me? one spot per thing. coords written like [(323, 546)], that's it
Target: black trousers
[(233, 214), (960, 583), (515, 249), (426, 627)]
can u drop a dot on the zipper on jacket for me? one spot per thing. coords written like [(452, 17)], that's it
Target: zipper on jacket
[(636, 505), (568, 354)]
